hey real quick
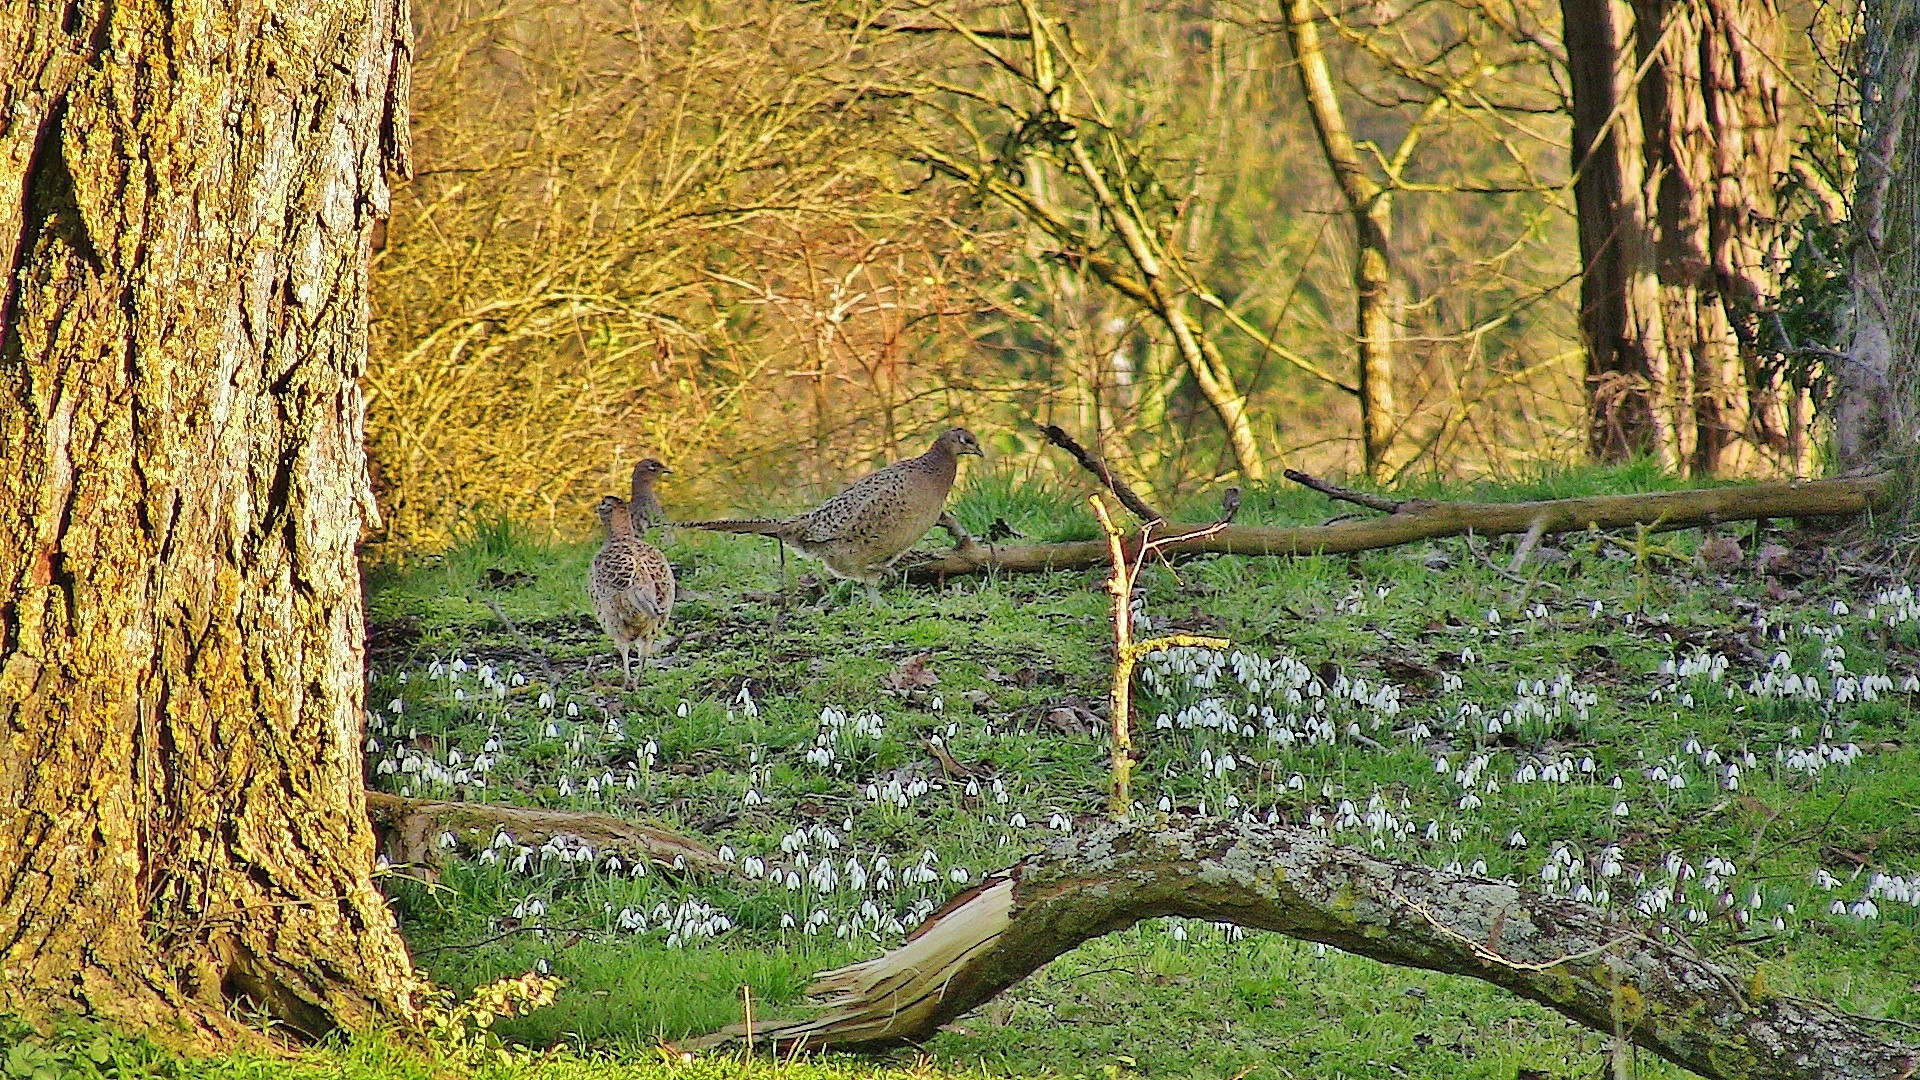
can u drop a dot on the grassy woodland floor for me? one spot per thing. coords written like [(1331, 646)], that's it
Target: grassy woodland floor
[(1727, 748)]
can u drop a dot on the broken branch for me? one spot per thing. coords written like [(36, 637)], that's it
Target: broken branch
[(1598, 968), (410, 831)]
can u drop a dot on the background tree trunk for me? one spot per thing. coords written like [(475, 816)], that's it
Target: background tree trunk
[(1876, 407), (186, 198), (1370, 205), (1677, 142)]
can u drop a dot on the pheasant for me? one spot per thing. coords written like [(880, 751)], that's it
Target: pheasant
[(631, 584), (865, 529), (644, 506)]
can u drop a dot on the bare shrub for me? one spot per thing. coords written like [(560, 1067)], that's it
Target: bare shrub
[(642, 228)]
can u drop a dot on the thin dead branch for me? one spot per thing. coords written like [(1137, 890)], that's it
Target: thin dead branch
[(1127, 652), (1088, 460), (1345, 494)]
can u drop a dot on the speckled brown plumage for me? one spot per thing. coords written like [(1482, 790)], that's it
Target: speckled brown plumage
[(631, 585), (862, 531)]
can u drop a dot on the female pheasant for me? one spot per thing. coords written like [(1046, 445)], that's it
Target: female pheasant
[(631, 584), (865, 529)]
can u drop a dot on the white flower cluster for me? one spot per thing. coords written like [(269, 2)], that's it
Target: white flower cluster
[(1278, 699), (840, 733)]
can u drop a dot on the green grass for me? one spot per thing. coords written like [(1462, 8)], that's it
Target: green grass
[(723, 741)]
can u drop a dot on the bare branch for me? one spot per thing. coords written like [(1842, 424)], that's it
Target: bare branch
[(1091, 462), (1345, 494)]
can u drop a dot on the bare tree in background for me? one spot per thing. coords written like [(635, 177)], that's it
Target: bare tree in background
[(1876, 408), (1036, 107), (1678, 144), (1370, 205), (1454, 105)]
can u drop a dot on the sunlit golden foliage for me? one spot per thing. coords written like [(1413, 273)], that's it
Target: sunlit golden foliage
[(637, 229), (720, 233)]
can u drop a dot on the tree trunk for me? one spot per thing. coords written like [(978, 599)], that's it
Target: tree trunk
[(1676, 147), (1627, 364), (186, 198), (1876, 407), (1370, 205), (1596, 967)]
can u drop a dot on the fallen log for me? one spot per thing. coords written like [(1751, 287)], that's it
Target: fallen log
[(1609, 972), (1424, 520), (411, 830)]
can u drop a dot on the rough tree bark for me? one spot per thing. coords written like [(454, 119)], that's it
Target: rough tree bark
[(1596, 967), (1676, 144), (186, 196), (1876, 407), (1370, 205), (1429, 520)]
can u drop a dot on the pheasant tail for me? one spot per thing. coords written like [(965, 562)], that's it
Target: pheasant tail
[(758, 526)]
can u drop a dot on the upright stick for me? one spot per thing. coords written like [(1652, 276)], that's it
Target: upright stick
[(1127, 652)]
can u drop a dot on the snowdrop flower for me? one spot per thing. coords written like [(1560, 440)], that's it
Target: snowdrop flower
[(1620, 810)]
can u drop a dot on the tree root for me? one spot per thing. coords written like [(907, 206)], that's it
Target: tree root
[(1413, 521), (1611, 973)]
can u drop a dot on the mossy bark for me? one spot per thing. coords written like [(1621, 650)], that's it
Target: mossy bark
[(1612, 973), (186, 196)]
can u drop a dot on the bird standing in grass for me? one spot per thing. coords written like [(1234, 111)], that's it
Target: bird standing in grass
[(865, 529), (631, 584), (644, 506)]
